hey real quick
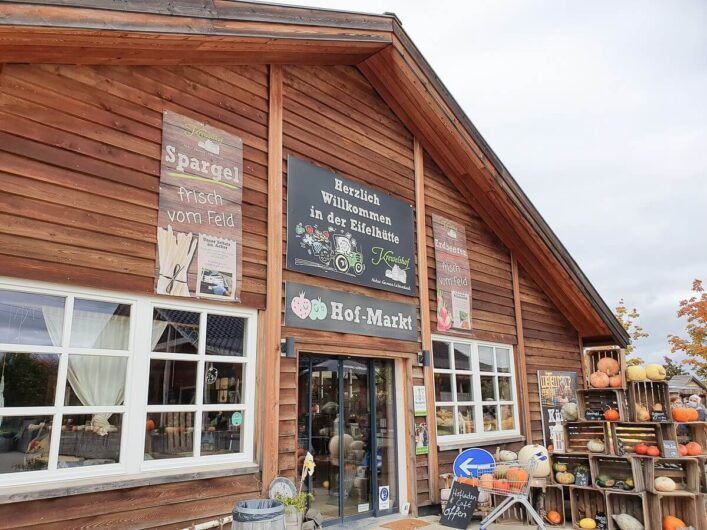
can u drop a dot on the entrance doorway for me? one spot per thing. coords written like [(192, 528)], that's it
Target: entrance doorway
[(346, 416)]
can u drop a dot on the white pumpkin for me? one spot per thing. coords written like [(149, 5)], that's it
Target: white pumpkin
[(538, 453), (628, 522), (507, 456), (664, 484), (570, 412), (596, 446)]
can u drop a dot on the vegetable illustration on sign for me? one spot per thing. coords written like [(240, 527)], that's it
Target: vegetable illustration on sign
[(301, 306)]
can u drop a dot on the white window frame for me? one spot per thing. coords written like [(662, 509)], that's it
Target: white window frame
[(134, 408), (479, 435)]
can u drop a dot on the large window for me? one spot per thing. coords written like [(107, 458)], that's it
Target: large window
[(475, 396), (95, 384)]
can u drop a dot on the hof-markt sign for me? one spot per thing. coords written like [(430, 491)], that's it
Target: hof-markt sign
[(312, 307), (346, 231)]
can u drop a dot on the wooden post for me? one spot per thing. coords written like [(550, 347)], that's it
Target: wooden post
[(521, 370), (425, 329), (273, 312)]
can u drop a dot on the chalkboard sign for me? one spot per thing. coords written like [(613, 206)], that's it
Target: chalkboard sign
[(461, 506), (670, 449), (581, 478), (659, 417)]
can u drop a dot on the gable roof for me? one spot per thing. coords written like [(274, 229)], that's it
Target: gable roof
[(228, 32)]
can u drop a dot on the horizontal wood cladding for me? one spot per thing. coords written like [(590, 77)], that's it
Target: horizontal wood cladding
[(333, 118), (80, 163), (493, 314), (175, 506), (551, 343)]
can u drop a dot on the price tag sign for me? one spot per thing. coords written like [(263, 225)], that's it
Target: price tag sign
[(670, 449)]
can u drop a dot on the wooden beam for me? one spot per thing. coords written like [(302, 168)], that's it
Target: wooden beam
[(409, 413), (273, 325), (521, 370), (425, 328)]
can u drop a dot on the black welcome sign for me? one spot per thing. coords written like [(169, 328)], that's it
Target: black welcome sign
[(340, 229), (312, 307), (461, 505)]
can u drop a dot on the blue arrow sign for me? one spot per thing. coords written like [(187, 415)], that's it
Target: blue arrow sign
[(473, 463)]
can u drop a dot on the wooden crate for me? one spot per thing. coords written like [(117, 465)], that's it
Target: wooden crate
[(631, 503), (578, 433), (618, 468), (554, 500), (685, 472), (593, 355), (596, 400), (625, 436), (650, 394), (694, 431), (585, 502), (571, 460), (683, 507), (702, 510), (515, 515)]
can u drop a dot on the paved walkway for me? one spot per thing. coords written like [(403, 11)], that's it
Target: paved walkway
[(432, 520)]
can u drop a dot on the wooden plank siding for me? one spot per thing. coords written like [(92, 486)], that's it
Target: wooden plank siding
[(334, 118), (80, 162)]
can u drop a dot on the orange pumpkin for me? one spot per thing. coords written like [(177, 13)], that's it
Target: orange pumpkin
[(680, 414), (501, 484), (517, 478), (682, 449), (608, 365), (611, 414), (672, 523), (599, 380), (693, 414), (554, 517), (486, 481), (653, 451), (150, 425), (615, 381), (693, 449)]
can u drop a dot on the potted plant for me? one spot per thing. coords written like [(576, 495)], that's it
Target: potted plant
[(295, 507)]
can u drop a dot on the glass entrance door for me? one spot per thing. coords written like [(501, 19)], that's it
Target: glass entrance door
[(346, 419)]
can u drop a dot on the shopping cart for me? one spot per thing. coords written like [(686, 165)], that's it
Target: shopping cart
[(514, 485)]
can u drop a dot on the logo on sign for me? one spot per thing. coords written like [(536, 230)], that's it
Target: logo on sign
[(473, 463), (383, 497)]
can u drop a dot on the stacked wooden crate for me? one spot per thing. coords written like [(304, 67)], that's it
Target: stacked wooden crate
[(623, 477)]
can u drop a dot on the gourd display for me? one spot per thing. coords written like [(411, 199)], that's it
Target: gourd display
[(683, 414), (596, 446), (588, 523), (599, 380), (693, 449), (564, 477), (664, 484), (635, 373), (608, 365), (628, 522), (553, 517), (656, 372), (653, 451), (615, 381), (507, 456), (570, 411), (501, 485), (673, 523), (611, 414), (517, 478), (682, 449), (486, 481), (642, 413), (538, 453)]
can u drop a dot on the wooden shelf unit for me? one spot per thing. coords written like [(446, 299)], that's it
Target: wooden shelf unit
[(578, 433), (682, 507), (592, 356), (572, 460), (619, 468), (685, 472), (625, 436), (598, 400), (635, 504), (649, 394), (554, 500), (585, 502)]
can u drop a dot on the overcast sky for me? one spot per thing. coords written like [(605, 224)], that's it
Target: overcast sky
[(599, 111)]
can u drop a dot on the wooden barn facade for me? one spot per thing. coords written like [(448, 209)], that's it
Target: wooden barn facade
[(234, 232)]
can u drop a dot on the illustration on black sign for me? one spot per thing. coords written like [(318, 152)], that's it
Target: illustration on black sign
[(340, 229)]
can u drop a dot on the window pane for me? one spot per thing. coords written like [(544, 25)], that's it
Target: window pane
[(223, 383), (169, 435), (28, 318), (503, 360), (90, 440), (95, 380), (464, 387), (440, 354), (104, 325), (24, 443), (175, 331), (485, 358), (488, 388), (465, 421), (225, 335), (221, 432), (462, 353), (507, 420), (30, 379), (445, 421), (443, 387), (490, 417), (172, 382), (504, 389)]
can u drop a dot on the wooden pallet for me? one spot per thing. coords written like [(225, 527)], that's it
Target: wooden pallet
[(694, 431), (592, 402), (571, 460), (685, 472), (578, 433), (585, 502), (619, 468), (592, 357), (625, 436), (650, 394), (554, 500), (682, 507), (631, 503)]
